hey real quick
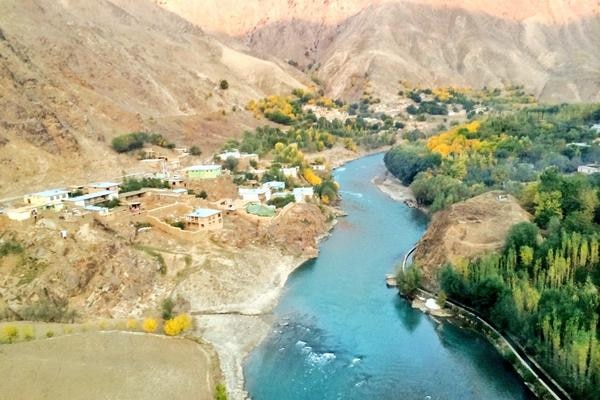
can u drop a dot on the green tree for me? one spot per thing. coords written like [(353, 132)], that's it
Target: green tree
[(409, 281)]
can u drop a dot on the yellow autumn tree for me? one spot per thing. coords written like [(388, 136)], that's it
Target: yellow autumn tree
[(149, 325), (311, 177), (177, 325)]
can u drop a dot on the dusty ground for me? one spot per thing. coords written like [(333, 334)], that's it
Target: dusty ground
[(106, 365), (465, 230)]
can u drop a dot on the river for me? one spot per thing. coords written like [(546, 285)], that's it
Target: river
[(341, 334)]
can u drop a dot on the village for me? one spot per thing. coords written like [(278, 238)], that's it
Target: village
[(182, 201)]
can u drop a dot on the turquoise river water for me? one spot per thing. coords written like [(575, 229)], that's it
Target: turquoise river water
[(341, 334)]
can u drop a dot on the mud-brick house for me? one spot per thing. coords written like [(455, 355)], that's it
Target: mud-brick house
[(52, 198), (197, 172), (205, 218)]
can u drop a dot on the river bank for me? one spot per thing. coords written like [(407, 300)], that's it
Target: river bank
[(235, 330)]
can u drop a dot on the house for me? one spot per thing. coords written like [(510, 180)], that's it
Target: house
[(103, 186), (589, 169), (274, 185), (197, 172), (255, 194), (175, 180), (318, 167), (303, 194), (93, 198), (52, 198), (290, 172), (234, 153), (205, 218)]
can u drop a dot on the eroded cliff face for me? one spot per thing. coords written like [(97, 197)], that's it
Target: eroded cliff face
[(548, 46), (467, 230)]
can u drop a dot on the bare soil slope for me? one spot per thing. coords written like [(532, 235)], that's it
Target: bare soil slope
[(467, 229), (550, 46), (75, 73)]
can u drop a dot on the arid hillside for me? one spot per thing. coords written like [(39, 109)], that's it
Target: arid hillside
[(75, 73), (550, 46), (467, 229)]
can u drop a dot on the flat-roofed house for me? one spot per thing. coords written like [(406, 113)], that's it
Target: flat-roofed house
[(303, 194), (52, 198), (589, 169), (290, 172), (205, 218), (93, 198), (103, 186), (274, 185), (210, 171), (255, 194)]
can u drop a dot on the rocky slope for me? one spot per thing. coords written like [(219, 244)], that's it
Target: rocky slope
[(550, 46), (75, 73), (465, 230)]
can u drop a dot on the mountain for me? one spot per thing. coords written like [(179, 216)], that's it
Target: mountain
[(549, 46), (75, 73)]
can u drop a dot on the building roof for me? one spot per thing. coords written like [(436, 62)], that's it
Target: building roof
[(260, 190), (304, 190), (90, 196), (50, 193), (274, 184), (203, 212), (209, 167), (104, 185)]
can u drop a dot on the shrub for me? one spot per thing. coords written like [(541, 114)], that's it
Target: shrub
[(195, 150), (48, 311), (220, 392), (177, 325), (202, 194), (10, 247), (49, 333), (224, 85), (281, 202), (167, 307), (149, 325), (28, 333), (10, 333)]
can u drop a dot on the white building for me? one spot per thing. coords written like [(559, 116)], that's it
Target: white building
[(303, 194), (234, 153), (255, 194), (274, 185), (290, 172), (589, 169)]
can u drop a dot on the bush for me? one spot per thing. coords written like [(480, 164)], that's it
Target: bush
[(167, 307), (202, 195), (10, 247), (220, 392), (48, 311), (177, 325), (49, 334), (224, 85), (10, 333), (281, 202), (195, 150), (149, 325), (28, 333)]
